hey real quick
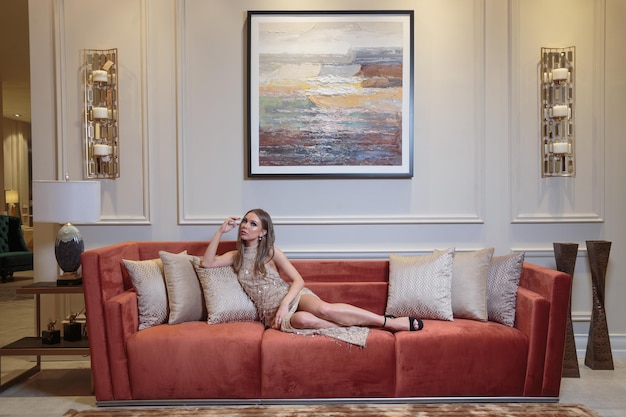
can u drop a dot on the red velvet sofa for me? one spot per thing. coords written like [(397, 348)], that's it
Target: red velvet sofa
[(242, 361)]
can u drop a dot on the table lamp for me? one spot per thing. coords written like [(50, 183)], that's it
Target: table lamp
[(67, 202), (11, 197)]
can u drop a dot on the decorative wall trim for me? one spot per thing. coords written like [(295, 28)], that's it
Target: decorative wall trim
[(61, 77), (596, 191), (181, 113), (480, 107), (146, 51), (62, 114), (186, 217), (345, 220)]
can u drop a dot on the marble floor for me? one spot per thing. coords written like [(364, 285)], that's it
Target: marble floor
[(65, 382)]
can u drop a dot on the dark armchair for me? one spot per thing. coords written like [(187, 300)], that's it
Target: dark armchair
[(14, 255)]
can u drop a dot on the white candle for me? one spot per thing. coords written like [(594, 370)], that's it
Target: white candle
[(100, 76), (559, 74), (100, 150), (100, 113), (561, 147), (560, 111)]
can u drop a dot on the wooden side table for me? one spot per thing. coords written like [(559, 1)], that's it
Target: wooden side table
[(33, 345)]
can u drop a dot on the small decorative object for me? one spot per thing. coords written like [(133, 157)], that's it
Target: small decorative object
[(598, 355), (565, 255), (62, 202), (556, 82), (101, 114), (72, 331), (51, 336)]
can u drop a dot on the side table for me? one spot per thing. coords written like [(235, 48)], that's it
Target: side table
[(33, 345)]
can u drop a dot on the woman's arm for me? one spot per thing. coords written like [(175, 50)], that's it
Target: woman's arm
[(211, 259), (297, 283)]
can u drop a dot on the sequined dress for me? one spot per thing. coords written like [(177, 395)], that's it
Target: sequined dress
[(267, 292)]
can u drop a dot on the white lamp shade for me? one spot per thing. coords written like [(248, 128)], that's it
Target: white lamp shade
[(66, 201), (11, 197)]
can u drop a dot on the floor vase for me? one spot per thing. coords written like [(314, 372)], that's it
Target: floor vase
[(598, 355), (565, 255)]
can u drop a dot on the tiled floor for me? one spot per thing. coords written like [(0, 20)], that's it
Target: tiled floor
[(65, 383)]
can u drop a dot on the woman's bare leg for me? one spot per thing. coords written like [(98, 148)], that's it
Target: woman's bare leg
[(340, 314)]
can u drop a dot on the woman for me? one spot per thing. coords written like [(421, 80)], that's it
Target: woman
[(290, 306)]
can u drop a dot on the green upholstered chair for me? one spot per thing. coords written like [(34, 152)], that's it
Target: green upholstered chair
[(14, 255)]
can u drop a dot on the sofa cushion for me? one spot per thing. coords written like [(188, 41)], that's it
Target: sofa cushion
[(469, 284), (182, 361), (225, 300), (461, 358), (149, 282), (184, 292), (297, 366), (504, 276), (420, 286)]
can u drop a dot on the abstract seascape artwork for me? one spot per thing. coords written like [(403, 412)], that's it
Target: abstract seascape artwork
[(330, 94)]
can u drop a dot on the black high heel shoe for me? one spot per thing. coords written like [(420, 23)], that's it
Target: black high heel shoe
[(420, 324), (412, 320)]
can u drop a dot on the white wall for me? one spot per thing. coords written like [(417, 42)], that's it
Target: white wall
[(477, 180)]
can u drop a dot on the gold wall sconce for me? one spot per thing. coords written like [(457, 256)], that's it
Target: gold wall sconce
[(556, 84), (101, 114)]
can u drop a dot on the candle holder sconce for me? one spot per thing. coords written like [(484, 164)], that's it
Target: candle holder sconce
[(100, 114), (556, 84)]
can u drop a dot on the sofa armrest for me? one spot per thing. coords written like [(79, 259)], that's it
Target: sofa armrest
[(123, 314), (531, 318), (122, 321), (556, 287)]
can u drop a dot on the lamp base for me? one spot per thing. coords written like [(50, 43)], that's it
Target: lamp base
[(69, 279)]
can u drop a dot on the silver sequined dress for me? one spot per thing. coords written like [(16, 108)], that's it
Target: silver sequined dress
[(268, 291)]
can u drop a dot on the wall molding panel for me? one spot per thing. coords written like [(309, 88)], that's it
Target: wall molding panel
[(578, 199), (72, 36), (210, 160)]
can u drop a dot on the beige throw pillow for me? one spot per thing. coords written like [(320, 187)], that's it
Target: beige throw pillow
[(420, 286), (470, 273), (225, 300), (184, 292), (147, 278)]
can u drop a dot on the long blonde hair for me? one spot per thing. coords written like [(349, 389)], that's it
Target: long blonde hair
[(265, 249)]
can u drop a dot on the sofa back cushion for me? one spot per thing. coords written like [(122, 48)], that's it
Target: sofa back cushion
[(362, 283)]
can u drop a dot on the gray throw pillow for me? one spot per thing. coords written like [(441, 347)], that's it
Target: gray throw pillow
[(504, 275)]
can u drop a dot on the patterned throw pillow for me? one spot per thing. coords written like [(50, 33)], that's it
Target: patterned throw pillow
[(504, 276), (147, 277), (420, 286), (225, 300), (184, 292)]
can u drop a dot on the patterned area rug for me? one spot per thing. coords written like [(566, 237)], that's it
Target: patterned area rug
[(360, 410)]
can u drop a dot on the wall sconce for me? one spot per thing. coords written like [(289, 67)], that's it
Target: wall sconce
[(101, 113), (556, 83), (11, 197)]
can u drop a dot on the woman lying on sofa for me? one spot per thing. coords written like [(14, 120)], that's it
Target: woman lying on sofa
[(290, 307)]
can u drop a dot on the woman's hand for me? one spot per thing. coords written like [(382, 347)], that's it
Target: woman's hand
[(229, 224), (281, 313)]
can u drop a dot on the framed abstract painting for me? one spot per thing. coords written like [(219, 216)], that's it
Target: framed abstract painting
[(330, 94)]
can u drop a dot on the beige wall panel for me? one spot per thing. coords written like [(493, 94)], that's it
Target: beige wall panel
[(448, 114)]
